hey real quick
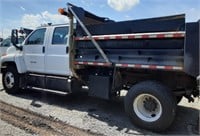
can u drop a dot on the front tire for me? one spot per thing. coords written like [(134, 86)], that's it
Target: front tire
[(150, 105), (10, 80)]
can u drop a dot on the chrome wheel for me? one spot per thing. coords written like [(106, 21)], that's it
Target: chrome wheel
[(9, 80), (147, 107)]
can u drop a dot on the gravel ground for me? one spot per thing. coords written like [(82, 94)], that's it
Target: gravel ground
[(37, 124), (104, 117), (9, 130)]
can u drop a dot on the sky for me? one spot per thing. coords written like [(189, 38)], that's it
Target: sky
[(33, 13)]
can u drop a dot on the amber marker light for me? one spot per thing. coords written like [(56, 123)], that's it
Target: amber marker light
[(61, 11)]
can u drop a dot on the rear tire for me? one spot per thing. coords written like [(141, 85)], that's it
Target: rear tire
[(10, 80), (150, 105)]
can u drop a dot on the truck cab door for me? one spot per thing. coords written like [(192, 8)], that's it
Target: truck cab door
[(34, 51), (57, 54)]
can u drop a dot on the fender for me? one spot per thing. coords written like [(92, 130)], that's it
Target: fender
[(17, 59)]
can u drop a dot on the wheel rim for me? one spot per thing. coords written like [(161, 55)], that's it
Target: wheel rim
[(9, 80), (147, 107)]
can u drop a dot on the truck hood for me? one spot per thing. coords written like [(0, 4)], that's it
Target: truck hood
[(12, 50)]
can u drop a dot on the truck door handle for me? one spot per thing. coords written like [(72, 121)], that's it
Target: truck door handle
[(43, 49), (67, 50)]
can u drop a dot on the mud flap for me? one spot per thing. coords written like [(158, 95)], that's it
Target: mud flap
[(100, 86)]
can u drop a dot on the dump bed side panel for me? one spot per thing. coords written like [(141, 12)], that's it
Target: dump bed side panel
[(142, 51), (181, 52), (145, 51), (192, 49), (102, 25), (161, 24)]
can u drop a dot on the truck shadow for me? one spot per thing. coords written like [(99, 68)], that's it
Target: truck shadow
[(112, 112)]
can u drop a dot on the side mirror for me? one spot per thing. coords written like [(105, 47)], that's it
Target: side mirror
[(14, 37)]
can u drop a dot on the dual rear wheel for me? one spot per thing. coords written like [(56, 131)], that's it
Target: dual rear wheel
[(150, 105)]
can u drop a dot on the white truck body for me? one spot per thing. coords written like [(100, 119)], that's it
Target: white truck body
[(47, 57)]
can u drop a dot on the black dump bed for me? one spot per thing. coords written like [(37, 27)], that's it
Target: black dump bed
[(160, 42)]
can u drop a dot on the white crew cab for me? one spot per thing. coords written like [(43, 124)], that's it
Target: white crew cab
[(45, 51)]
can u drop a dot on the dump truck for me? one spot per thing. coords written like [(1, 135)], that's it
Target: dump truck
[(155, 60)]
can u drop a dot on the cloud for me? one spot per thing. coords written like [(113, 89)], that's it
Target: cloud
[(193, 14), (32, 21), (5, 33), (35, 20), (22, 8), (122, 5), (87, 3)]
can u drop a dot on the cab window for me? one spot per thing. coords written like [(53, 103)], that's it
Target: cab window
[(37, 37), (60, 35)]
